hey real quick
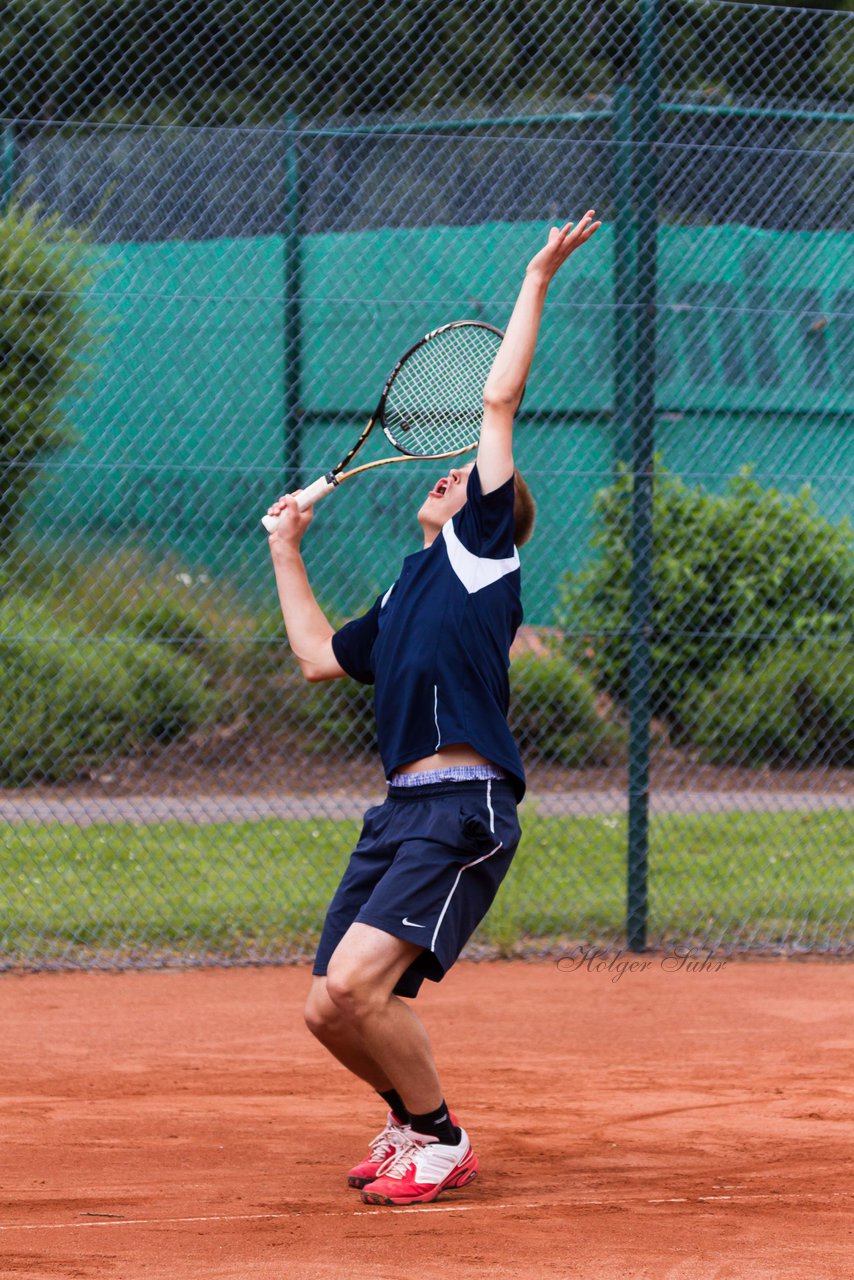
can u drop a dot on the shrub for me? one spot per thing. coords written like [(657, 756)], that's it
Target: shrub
[(167, 620), (68, 703), (47, 333), (127, 590), (336, 715), (553, 714), (795, 706), (731, 573)]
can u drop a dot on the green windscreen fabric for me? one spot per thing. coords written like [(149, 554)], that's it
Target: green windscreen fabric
[(180, 435)]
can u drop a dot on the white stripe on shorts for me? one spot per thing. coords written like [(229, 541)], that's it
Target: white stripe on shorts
[(447, 903)]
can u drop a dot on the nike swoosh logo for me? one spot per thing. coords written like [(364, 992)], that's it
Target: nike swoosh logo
[(413, 925)]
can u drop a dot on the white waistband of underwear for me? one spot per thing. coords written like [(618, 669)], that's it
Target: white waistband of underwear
[(451, 773)]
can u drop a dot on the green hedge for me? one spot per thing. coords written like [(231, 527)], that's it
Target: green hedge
[(108, 654), (49, 339), (554, 716), (795, 706), (68, 702), (337, 715), (732, 573)]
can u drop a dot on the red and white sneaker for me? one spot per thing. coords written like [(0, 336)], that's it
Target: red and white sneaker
[(420, 1169), (385, 1144)]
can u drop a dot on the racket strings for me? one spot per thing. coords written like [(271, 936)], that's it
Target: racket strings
[(435, 404)]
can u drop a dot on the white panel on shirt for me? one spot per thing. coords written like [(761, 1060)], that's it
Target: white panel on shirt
[(475, 572), (387, 594)]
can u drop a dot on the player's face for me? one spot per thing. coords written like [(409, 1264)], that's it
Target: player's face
[(446, 497)]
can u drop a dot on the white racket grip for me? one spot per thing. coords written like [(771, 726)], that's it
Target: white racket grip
[(316, 490)]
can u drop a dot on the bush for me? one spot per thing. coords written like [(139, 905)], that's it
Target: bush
[(241, 652), (732, 573), (553, 714), (336, 715), (106, 654), (168, 621), (126, 590), (47, 333), (794, 707), (68, 703)]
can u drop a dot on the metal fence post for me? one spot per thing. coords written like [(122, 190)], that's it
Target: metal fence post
[(292, 248), (7, 170), (643, 453), (623, 280)]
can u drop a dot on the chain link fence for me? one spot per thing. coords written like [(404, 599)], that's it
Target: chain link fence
[(220, 220)]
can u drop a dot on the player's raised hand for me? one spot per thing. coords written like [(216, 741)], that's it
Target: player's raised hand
[(562, 242), (291, 523)]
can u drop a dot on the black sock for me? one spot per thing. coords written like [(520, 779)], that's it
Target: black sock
[(438, 1124), (396, 1104)]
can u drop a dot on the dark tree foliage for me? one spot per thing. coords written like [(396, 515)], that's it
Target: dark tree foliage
[(232, 60)]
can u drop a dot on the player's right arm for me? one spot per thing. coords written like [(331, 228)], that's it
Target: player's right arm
[(505, 385), (309, 630)]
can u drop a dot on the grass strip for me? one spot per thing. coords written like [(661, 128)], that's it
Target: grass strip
[(261, 888)]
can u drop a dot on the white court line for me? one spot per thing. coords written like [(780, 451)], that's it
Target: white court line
[(145, 1222), (499, 1206)]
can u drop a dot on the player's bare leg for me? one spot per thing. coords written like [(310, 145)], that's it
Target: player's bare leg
[(360, 979), (433, 1154), (341, 1038), (355, 1014)]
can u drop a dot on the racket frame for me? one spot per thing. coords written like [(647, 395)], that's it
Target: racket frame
[(319, 488)]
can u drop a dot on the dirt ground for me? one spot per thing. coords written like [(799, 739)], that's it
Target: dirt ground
[(271, 766), (661, 1123)]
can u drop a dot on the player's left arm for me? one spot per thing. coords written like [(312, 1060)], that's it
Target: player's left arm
[(509, 373)]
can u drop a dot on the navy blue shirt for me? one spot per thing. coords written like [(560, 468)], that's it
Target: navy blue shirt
[(436, 646)]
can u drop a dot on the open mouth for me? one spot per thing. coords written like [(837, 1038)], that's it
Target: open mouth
[(440, 489)]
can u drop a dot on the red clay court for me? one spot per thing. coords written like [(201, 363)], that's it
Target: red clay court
[(661, 1125)]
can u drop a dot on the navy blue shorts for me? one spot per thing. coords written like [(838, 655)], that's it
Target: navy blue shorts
[(426, 868)]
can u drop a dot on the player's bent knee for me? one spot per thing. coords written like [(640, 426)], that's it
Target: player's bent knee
[(352, 997), (321, 1015), (316, 1019)]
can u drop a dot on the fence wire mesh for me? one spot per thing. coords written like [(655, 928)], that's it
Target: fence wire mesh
[(220, 221)]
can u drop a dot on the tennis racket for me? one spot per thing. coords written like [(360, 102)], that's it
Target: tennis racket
[(431, 405)]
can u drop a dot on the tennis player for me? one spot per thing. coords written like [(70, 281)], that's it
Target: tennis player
[(429, 860)]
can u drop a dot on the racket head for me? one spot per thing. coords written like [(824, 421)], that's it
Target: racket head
[(432, 403)]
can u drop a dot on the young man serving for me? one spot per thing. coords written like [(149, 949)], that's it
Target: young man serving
[(429, 860)]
